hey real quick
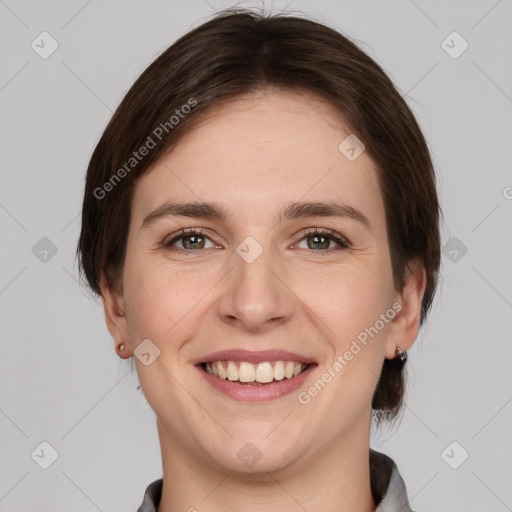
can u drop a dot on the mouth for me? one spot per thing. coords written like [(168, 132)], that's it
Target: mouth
[(259, 374), (251, 374), (255, 376)]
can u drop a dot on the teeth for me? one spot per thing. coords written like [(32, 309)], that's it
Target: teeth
[(247, 372), (288, 372), (220, 369), (232, 371), (263, 373), (279, 370)]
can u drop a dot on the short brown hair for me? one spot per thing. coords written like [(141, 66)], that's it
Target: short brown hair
[(240, 51)]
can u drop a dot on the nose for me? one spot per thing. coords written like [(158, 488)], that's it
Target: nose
[(256, 296)]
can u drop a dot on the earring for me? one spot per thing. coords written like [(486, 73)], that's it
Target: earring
[(121, 347), (400, 354)]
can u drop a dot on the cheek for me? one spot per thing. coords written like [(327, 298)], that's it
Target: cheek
[(355, 315), (161, 300), (347, 300)]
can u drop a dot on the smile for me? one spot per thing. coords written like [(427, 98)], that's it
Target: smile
[(255, 382), (255, 374)]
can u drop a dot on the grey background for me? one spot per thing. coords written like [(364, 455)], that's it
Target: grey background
[(60, 379)]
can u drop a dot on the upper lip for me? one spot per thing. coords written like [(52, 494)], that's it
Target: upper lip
[(254, 357)]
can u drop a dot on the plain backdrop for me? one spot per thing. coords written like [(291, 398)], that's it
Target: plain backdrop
[(67, 400)]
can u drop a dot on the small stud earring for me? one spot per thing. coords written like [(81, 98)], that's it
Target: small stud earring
[(400, 354), (121, 347)]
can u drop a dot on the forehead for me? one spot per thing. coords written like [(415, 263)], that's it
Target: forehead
[(260, 151)]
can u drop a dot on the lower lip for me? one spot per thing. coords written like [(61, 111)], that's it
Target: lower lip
[(257, 393)]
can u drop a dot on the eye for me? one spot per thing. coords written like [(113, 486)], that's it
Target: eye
[(319, 240), (191, 239)]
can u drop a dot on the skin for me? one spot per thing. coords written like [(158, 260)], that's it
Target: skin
[(252, 156)]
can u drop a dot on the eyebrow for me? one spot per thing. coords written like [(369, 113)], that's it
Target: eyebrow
[(297, 210)]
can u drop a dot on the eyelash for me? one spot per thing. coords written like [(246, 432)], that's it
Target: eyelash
[(341, 241)]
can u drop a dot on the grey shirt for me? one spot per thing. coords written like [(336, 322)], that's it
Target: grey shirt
[(387, 485)]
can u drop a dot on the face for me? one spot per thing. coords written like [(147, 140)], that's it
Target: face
[(276, 289)]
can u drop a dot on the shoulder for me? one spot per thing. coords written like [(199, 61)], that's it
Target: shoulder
[(388, 486), (151, 496)]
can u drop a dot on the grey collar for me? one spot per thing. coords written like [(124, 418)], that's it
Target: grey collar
[(387, 485)]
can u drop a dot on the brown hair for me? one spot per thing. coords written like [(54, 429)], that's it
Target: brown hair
[(237, 52)]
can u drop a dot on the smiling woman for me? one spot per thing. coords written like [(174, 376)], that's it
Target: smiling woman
[(267, 263)]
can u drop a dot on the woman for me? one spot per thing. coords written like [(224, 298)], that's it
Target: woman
[(261, 220)]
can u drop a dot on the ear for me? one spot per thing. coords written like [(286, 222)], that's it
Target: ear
[(115, 317), (403, 329)]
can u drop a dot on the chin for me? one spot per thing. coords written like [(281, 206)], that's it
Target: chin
[(255, 459)]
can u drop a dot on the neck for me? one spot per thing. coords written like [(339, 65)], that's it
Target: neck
[(340, 477)]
